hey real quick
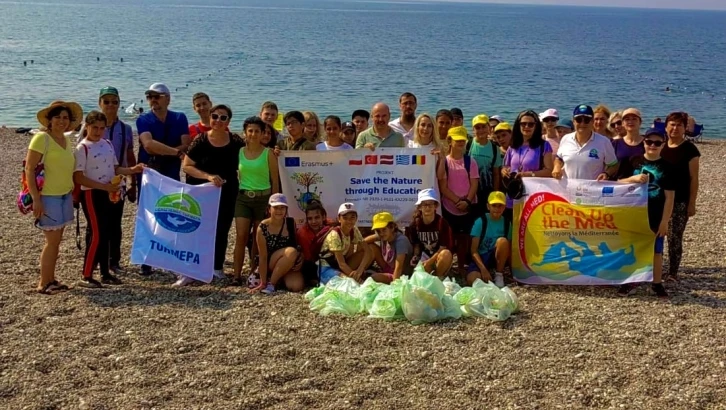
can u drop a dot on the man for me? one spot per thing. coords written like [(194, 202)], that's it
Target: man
[(487, 157), (404, 124), (349, 133), (163, 137), (296, 141), (585, 154), (360, 119), (269, 113), (121, 137), (380, 134), (457, 117), (201, 105)]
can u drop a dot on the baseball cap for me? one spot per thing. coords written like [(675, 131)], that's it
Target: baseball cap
[(497, 118), (346, 208), (348, 125), (632, 111), (428, 194), (550, 112), (277, 200), (456, 112), (566, 124), (158, 88), (480, 119), (458, 133), (497, 198), (108, 91), (581, 110), (654, 131), (381, 220), (502, 126)]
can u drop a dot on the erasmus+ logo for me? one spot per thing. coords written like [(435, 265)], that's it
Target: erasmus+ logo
[(178, 213)]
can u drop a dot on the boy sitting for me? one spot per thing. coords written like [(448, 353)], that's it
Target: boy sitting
[(490, 242)]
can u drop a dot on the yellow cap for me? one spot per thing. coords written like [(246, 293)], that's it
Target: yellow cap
[(497, 198), (480, 119), (381, 220), (503, 126), (458, 133)]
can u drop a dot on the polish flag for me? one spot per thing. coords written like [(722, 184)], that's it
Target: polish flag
[(357, 160), (371, 160)]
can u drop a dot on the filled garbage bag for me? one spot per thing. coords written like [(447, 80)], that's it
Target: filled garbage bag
[(387, 304), (368, 292), (340, 296), (451, 286)]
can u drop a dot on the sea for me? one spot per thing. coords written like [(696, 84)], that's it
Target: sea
[(333, 57)]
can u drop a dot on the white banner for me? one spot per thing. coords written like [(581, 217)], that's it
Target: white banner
[(175, 226), (387, 179)]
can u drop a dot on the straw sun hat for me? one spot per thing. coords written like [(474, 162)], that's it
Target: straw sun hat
[(75, 110)]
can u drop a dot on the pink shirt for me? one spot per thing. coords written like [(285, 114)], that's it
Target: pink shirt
[(458, 182)]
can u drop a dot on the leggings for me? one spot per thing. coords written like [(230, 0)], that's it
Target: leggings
[(96, 206), (676, 227)]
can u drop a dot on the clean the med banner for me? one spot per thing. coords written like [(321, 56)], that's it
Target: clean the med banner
[(575, 232), (176, 225), (387, 179)]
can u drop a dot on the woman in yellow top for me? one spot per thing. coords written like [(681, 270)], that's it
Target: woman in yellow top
[(53, 206)]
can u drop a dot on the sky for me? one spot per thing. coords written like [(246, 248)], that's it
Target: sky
[(670, 4)]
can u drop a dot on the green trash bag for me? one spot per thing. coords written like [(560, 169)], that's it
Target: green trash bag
[(340, 296), (512, 300), (419, 305), (314, 292), (494, 299), (387, 304), (368, 292), (429, 282), (451, 286), (470, 302), (451, 308)]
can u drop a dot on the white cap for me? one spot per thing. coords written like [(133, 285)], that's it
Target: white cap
[(428, 194), (550, 112), (346, 208), (158, 88), (496, 117), (277, 200)]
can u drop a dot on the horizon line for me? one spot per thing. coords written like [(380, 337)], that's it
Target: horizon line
[(553, 4)]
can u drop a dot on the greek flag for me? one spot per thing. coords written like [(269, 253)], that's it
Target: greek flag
[(403, 160)]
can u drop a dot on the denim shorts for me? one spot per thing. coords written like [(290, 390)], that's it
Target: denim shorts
[(489, 259), (57, 212), (327, 273)]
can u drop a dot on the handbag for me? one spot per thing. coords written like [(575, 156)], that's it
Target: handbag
[(25, 200)]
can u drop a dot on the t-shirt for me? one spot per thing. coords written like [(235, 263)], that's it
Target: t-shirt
[(623, 152), (58, 162), (660, 179), (525, 159), (554, 143), (305, 238), (586, 161), (97, 160), (168, 133), (414, 144), (117, 133), (487, 157), (323, 146), (334, 243), (398, 127), (399, 246), (679, 157), (495, 230), (222, 161), (198, 128), (430, 237), (393, 140), (287, 144), (459, 182)]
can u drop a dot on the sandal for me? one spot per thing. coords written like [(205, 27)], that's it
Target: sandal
[(51, 288), (60, 286)]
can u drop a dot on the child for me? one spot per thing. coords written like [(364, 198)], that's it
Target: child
[(487, 157), (343, 252), (650, 168), (394, 253), (430, 235), (96, 167), (334, 140), (316, 219), (490, 242)]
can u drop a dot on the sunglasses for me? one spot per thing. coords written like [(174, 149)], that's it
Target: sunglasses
[(583, 119), (550, 119), (152, 97), (653, 142), (616, 124), (348, 131), (527, 124), (110, 102), (217, 117)]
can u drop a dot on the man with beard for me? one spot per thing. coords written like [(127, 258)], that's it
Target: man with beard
[(407, 103), (380, 134)]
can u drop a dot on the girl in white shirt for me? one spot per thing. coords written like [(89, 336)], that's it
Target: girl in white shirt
[(334, 140)]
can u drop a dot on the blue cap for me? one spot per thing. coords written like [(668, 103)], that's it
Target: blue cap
[(567, 124), (654, 131), (583, 110)]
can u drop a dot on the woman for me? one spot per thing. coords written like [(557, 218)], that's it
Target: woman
[(425, 133), (394, 252), (313, 130), (600, 120), (529, 155), (344, 253), (631, 144), (616, 125), (268, 137), (334, 140), (549, 122), (258, 179), (279, 256), (53, 206), (213, 157), (430, 235), (684, 157), (458, 177)]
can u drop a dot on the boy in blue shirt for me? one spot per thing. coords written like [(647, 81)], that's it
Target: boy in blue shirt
[(491, 236)]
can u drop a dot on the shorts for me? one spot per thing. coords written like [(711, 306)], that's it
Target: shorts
[(659, 240), (253, 209), (489, 259), (460, 224), (57, 212)]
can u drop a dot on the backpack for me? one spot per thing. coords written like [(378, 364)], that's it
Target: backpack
[(485, 221), (77, 187), (467, 166), (25, 201), (320, 240)]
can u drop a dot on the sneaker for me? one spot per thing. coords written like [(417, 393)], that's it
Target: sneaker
[(117, 270), (269, 289), (499, 279), (90, 283), (659, 290), (110, 280), (628, 289), (219, 274), (146, 270), (183, 281)]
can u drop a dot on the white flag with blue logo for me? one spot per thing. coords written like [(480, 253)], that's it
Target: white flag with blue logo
[(175, 226)]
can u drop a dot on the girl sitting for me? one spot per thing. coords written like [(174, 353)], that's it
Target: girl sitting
[(343, 252), (430, 235), (394, 253)]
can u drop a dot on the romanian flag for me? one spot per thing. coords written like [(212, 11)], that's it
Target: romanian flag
[(418, 159)]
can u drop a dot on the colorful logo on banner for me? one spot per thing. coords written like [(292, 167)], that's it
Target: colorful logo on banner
[(563, 241), (306, 180), (178, 212)]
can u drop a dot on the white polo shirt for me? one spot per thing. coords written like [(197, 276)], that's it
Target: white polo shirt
[(586, 161), (396, 125)]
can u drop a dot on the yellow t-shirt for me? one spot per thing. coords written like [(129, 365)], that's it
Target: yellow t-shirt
[(58, 162)]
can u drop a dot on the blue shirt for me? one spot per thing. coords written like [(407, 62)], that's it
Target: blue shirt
[(168, 133), (495, 230)]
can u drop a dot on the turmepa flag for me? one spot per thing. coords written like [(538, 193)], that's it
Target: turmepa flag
[(176, 225)]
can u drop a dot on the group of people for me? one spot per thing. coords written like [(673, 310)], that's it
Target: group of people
[(468, 215)]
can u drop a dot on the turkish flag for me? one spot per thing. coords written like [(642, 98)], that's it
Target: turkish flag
[(371, 159)]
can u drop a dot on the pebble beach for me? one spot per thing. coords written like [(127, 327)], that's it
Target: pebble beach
[(146, 345)]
